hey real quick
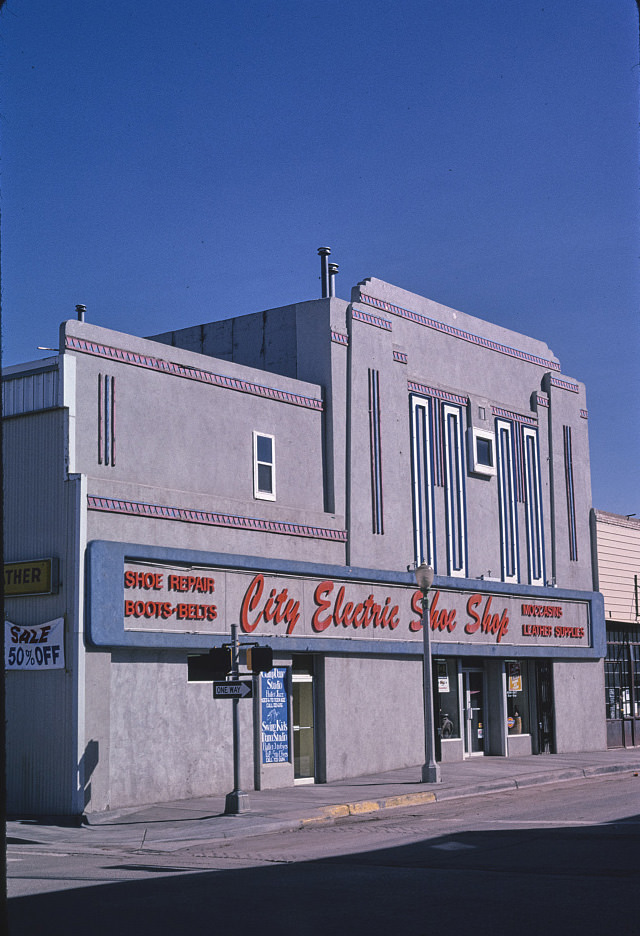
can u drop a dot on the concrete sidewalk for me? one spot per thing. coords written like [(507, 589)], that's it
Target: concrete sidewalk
[(170, 826)]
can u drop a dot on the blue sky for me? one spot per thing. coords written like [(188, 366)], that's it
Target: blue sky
[(170, 164)]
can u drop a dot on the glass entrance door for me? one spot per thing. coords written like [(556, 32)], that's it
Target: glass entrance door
[(303, 721), (473, 695)]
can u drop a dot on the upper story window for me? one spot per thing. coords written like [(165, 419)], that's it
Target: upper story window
[(482, 451), (264, 466)]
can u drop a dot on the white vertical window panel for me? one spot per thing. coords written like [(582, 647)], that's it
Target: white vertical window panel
[(422, 481), (533, 495), (455, 491), (505, 444)]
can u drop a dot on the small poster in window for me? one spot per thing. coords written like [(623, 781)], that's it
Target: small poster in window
[(515, 677), (443, 678)]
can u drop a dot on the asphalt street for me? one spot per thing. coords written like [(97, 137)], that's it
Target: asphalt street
[(558, 858)]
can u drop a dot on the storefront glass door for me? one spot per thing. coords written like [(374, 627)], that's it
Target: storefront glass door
[(303, 720), (473, 695)]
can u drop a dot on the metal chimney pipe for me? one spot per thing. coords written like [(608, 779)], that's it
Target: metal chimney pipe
[(324, 270), (80, 310), (333, 272)]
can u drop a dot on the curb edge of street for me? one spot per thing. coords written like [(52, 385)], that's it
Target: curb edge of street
[(364, 807), (333, 812)]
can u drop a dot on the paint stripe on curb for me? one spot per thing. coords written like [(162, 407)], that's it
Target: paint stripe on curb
[(409, 799), (363, 807)]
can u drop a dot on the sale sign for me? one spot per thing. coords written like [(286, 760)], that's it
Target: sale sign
[(35, 648)]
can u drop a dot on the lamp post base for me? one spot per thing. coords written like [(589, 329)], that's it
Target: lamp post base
[(431, 773), (236, 802)]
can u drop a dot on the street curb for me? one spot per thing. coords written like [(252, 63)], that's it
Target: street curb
[(571, 773), (363, 807), (255, 825)]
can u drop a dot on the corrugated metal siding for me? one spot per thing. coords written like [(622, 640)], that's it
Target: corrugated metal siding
[(618, 566), (41, 755), (30, 392)]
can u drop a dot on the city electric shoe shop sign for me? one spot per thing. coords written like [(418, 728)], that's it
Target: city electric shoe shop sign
[(207, 601)]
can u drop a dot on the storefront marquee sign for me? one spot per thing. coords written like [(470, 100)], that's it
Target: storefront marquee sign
[(206, 601)]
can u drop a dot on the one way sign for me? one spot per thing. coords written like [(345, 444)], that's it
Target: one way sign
[(238, 689)]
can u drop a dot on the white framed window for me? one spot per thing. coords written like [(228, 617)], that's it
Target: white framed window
[(455, 493), (482, 451), (422, 481), (507, 497), (533, 494), (264, 466)]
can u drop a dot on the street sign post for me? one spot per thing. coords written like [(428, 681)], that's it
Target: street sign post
[(213, 667), (234, 689)]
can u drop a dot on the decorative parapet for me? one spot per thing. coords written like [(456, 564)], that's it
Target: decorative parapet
[(458, 332), (149, 362)]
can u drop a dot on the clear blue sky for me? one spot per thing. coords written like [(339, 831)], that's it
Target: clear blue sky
[(174, 163)]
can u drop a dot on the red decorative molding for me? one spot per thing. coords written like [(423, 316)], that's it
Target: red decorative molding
[(73, 343), (360, 316), (564, 384), (516, 417), (458, 332), (415, 387), (186, 515)]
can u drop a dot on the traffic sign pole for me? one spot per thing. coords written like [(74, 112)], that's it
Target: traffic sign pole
[(236, 801)]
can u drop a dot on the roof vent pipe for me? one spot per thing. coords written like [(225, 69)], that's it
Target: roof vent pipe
[(324, 269), (333, 272), (80, 310)]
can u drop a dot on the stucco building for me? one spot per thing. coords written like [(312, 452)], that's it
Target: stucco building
[(281, 471)]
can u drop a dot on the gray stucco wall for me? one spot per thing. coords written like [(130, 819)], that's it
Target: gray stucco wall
[(162, 738), (373, 715), (174, 433), (579, 706)]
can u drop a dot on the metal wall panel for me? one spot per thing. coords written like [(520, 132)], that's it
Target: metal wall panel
[(31, 392), (38, 521)]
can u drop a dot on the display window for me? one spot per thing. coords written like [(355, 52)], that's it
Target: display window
[(517, 699), (445, 673)]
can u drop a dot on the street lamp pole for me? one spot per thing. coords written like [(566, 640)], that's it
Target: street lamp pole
[(430, 770)]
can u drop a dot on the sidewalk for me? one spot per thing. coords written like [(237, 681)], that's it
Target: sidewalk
[(170, 826)]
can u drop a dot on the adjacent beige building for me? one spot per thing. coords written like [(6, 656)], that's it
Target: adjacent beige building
[(618, 539)]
